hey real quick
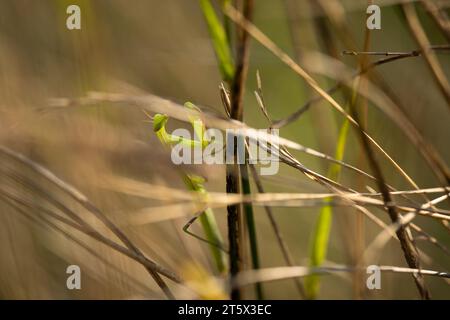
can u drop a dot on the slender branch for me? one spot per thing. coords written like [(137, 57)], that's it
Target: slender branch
[(414, 53), (281, 273), (408, 247), (438, 166), (391, 58), (283, 246), (232, 177), (241, 68), (430, 58)]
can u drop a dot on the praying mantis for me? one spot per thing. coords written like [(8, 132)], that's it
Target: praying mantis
[(195, 183)]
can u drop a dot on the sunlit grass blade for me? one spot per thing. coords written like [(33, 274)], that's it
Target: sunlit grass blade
[(319, 248), (219, 40), (321, 235)]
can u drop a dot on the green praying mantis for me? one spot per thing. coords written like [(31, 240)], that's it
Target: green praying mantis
[(195, 183)]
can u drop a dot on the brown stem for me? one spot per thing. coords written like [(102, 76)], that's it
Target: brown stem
[(241, 68), (232, 178), (409, 249), (430, 58)]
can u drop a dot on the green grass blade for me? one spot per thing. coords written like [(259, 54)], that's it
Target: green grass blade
[(251, 227), (220, 41), (319, 249), (321, 235), (227, 22)]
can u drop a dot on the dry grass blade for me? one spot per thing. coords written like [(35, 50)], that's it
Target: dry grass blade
[(218, 199), (295, 115), (437, 16), (95, 235), (422, 40), (154, 169), (281, 273), (271, 46), (151, 267), (281, 242), (40, 220), (408, 246), (193, 203), (336, 70)]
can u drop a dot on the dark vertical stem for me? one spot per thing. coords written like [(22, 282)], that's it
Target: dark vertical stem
[(409, 249), (234, 226), (232, 179), (241, 68), (251, 227)]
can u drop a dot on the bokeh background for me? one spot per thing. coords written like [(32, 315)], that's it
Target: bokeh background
[(163, 48)]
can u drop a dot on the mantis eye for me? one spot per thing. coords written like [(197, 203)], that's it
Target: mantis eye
[(159, 121)]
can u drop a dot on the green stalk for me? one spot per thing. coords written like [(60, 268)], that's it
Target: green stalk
[(251, 227), (320, 237), (227, 22), (219, 40)]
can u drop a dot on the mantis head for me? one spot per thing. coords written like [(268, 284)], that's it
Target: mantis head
[(159, 121)]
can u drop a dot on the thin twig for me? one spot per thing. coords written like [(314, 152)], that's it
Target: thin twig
[(283, 246), (295, 115), (408, 247), (430, 58), (281, 273)]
